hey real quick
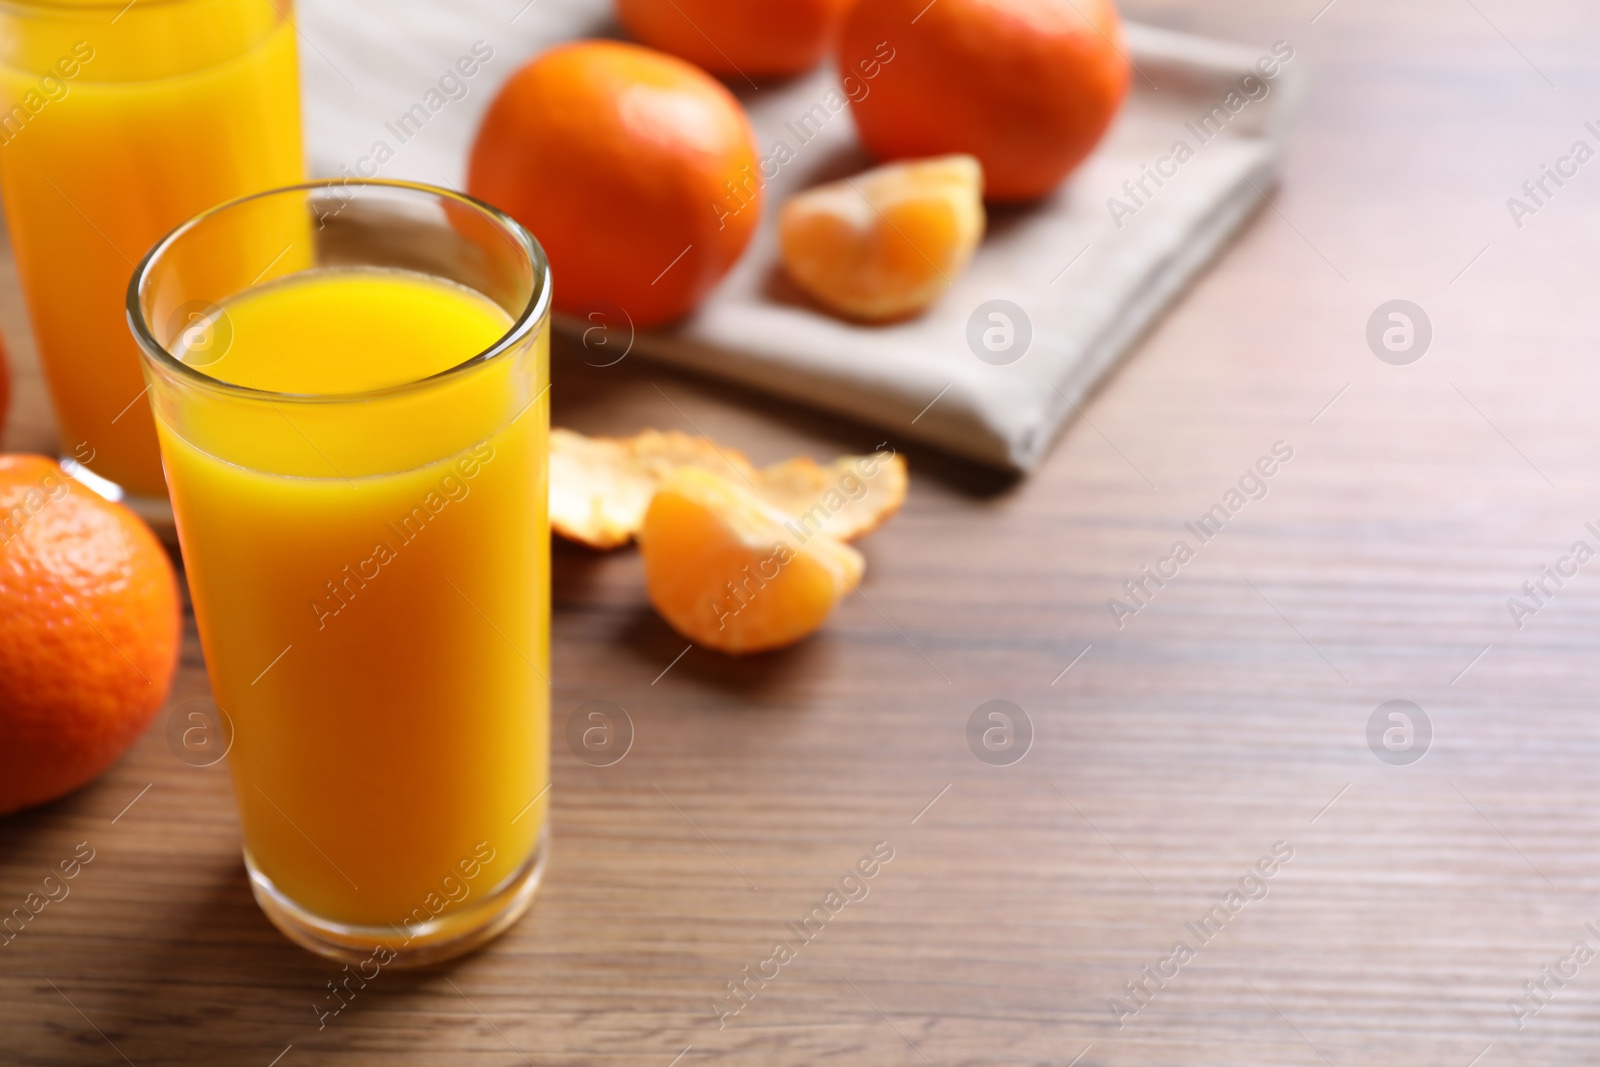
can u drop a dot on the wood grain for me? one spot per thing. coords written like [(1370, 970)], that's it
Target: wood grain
[(1228, 715)]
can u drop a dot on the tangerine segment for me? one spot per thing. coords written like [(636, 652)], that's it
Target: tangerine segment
[(885, 244), (601, 486), (847, 499), (730, 571)]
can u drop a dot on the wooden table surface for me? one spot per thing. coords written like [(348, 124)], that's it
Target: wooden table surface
[(1168, 756)]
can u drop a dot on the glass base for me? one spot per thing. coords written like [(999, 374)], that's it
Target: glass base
[(453, 934), (155, 511)]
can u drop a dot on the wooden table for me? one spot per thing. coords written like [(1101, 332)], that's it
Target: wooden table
[(1169, 755)]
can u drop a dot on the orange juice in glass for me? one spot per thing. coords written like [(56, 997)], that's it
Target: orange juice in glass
[(355, 443), (118, 121)]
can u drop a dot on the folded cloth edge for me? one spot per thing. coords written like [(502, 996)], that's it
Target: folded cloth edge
[(1022, 447)]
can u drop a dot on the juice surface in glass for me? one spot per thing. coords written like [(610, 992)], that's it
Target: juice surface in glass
[(117, 122), (376, 627)]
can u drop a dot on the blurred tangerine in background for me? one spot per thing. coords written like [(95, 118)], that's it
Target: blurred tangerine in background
[(1027, 86), (740, 38), (89, 631), (636, 171)]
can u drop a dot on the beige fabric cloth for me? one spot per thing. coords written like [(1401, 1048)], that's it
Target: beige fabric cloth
[(1088, 279)]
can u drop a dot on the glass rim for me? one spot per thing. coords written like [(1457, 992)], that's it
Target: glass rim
[(533, 312)]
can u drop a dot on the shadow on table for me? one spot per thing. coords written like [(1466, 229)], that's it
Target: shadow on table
[(748, 677), (176, 964), (597, 400), (20, 830), (221, 986)]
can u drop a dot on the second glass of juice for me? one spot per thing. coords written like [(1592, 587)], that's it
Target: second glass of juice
[(118, 121), (356, 441)]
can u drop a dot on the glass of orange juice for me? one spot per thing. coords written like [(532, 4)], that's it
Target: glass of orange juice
[(118, 121), (356, 445)]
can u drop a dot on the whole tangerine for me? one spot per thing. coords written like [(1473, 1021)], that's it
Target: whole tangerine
[(89, 631), (636, 171), (745, 38), (1027, 86)]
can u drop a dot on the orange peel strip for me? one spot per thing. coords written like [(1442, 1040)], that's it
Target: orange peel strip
[(600, 487), (846, 499)]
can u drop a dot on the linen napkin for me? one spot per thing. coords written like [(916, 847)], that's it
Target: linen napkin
[(1057, 293)]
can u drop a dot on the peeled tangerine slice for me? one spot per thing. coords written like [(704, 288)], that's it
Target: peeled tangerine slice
[(732, 572), (885, 244)]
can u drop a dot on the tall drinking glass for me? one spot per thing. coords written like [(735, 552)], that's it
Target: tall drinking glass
[(355, 439), (118, 121)]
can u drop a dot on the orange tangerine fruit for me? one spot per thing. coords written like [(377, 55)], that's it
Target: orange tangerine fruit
[(634, 169), (730, 571), (885, 244), (746, 38), (1027, 86), (89, 631)]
